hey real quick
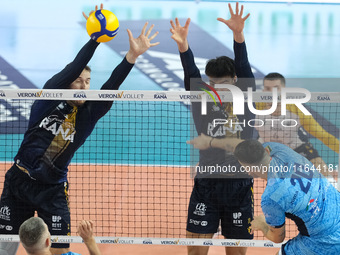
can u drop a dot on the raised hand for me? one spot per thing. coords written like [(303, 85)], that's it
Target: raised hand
[(140, 44), (96, 8), (180, 34), (85, 230), (236, 22)]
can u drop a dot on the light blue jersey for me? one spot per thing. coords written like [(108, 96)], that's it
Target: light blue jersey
[(295, 189), (70, 253)]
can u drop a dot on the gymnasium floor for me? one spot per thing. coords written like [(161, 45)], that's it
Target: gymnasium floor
[(299, 40)]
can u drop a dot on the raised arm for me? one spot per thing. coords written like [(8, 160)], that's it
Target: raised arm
[(204, 142), (85, 230), (138, 46), (245, 76), (71, 72), (242, 66), (180, 36)]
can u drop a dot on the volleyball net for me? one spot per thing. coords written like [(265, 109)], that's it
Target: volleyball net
[(134, 175)]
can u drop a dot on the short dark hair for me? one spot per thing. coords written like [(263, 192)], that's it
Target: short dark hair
[(87, 68), (31, 231), (220, 67), (275, 76), (249, 151)]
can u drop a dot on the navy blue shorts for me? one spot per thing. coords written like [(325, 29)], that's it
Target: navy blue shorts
[(225, 200), (22, 196)]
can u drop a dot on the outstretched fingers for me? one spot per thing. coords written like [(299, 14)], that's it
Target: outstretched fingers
[(172, 24), (153, 36), (246, 17), (187, 23), (231, 10), (237, 9), (95, 9), (149, 30), (177, 22), (241, 13), (129, 34), (222, 20), (144, 28)]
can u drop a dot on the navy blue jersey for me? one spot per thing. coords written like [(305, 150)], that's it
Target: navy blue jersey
[(56, 129), (204, 123)]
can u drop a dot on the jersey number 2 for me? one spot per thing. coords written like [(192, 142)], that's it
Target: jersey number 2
[(298, 175)]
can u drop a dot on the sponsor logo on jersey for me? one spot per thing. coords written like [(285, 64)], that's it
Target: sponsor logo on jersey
[(54, 125)]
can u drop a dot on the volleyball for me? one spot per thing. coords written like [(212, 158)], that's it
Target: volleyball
[(102, 25)]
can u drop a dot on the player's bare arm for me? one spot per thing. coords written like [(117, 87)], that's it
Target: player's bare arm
[(277, 235), (204, 142)]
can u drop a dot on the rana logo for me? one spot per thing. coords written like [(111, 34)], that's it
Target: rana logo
[(80, 94)]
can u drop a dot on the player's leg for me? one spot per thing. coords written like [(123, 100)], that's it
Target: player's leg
[(238, 201), (198, 250), (236, 250), (54, 210), (13, 207), (203, 217)]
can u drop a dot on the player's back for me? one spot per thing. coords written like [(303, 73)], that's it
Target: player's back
[(303, 194)]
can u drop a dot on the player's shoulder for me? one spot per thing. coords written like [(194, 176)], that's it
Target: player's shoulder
[(266, 198), (273, 147), (275, 193)]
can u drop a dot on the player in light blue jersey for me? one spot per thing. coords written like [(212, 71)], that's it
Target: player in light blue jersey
[(295, 189)]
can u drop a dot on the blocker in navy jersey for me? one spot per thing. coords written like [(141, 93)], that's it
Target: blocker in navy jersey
[(301, 193), (226, 198), (38, 179)]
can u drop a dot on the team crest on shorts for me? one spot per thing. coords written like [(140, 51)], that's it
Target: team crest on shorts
[(200, 209)]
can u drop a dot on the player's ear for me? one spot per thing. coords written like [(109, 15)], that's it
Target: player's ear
[(48, 241), (235, 79)]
